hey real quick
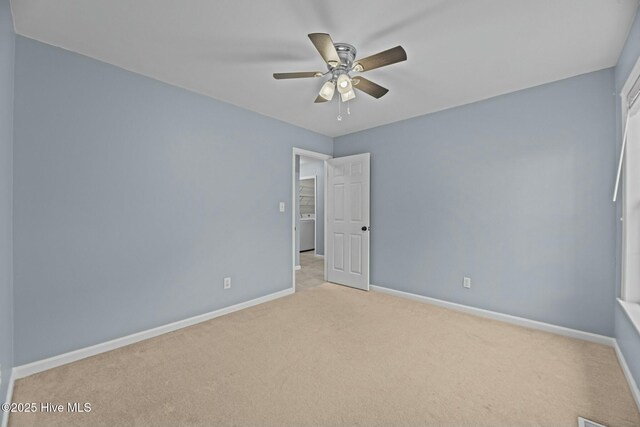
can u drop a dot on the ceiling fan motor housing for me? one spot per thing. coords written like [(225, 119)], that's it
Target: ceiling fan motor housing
[(347, 54)]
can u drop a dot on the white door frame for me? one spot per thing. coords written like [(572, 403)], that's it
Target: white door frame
[(315, 155), (315, 208)]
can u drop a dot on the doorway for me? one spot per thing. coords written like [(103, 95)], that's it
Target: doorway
[(308, 219), (335, 214)]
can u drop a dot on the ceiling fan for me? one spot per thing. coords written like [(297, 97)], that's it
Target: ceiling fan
[(341, 60)]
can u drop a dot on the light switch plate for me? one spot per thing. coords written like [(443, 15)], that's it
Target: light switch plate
[(466, 282)]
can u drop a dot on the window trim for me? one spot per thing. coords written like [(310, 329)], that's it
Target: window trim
[(630, 308), (632, 78)]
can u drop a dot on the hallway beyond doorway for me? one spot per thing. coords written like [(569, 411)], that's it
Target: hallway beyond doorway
[(311, 273)]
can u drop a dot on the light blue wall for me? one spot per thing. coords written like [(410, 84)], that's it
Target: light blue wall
[(513, 191), (627, 336), (316, 168), (7, 40), (117, 174), (133, 199)]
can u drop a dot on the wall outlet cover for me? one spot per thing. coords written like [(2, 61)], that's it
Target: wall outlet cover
[(227, 282)]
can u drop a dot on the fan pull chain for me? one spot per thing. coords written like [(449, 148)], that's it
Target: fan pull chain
[(349, 107), (339, 111)]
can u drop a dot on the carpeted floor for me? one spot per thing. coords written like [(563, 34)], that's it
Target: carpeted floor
[(311, 271), (334, 356)]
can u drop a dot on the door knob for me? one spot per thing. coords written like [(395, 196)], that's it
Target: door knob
[(365, 228)]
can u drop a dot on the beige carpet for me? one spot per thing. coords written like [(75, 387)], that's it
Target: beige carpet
[(311, 271), (333, 356)]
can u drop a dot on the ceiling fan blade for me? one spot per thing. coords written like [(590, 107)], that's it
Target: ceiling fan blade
[(369, 87), (320, 99), (388, 57), (301, 75), (325, 47)]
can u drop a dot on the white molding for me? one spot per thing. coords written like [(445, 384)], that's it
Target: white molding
[(298, 267), (582, 422), (5, 415), (42, 365), (632, 310), (634, 74), (319, 256), (627, 374), (307, 153), (631, 79), (72, 356), (325, 219), (315, 207), (520, 321)]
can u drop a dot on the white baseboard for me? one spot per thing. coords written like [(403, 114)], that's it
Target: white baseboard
[(42, 365), (520, 321), (319, 256), (627, 374), (62, 359), (532, 324), (298, 267), (4, 418)]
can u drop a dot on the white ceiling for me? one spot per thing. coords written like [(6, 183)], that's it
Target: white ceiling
[(459, 51)]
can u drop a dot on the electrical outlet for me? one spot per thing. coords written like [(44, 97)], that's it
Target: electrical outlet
[(227, 282), (281, 206), (466, 282)]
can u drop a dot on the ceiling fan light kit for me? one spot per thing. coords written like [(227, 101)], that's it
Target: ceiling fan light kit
[(341, 60), (347, 96), (328, 90), (344, 83)]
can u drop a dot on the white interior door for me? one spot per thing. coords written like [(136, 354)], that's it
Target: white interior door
[(347, 221)]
